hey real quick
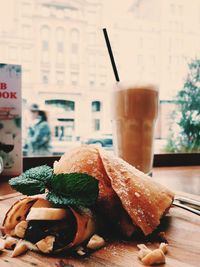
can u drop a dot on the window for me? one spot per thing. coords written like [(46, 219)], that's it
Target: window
[(45, 77), (60, 13), (74, 41), (96, 106), (45, 45), (61, 104), (180, 10), (74, 78), (96, 125), (172, 9), (56, 134), (67, 13), (102, 80), (45, 33), (74, 61), (74, 34), (92, 80), (45, 37), (65, 130), (60, 76), (26, 8), (45, 11), (60, 59), (60, 47), (64, 56), (60, 39), (45, 57)]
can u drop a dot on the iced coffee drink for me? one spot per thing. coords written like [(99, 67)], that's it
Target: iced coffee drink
[(135, 111)]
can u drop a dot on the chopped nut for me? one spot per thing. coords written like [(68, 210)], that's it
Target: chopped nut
[(143, 251), (20, 248), (163, 247), (20, 229), (10, 242), (151, 257), (80, 251), (96, 242), (46, 245), (2, 244), (154, 257), (31, 246)]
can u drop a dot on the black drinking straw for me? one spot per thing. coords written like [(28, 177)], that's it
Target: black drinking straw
[(111, 54)]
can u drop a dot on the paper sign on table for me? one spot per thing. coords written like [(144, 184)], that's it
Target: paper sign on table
[(10, 119)]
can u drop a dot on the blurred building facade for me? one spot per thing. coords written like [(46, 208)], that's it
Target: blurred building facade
[(64, 62), (66, 69)]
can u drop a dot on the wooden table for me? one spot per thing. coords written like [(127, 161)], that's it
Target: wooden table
[(185, 178), (181, 227), (182, 230)]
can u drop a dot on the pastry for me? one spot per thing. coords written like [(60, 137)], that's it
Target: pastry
[(128, 197), (51, 229)]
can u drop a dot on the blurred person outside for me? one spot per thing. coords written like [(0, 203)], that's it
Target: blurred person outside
[(38, 137)]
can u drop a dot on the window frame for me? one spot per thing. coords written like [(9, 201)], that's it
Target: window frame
[(160, 160)]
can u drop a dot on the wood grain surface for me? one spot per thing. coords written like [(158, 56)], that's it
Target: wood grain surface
[(182, 230), (180, 178)]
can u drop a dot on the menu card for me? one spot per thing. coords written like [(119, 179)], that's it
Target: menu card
[(10, 119)]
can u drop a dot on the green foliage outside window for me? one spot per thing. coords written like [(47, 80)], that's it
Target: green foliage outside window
[(185, 121)]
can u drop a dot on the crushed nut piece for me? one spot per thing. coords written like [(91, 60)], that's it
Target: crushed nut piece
[(31, 246), (2, 244), (143, 251), (154, 257), (10, 242), (96, 242), (163, 247), (80, 251), (46, 245), (151, 257), (20, 228), (20, 248)]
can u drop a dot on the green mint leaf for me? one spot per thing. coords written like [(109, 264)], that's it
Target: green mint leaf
[(27, 186), (62, 201), (32, 181), (78, 189), (42, 173)]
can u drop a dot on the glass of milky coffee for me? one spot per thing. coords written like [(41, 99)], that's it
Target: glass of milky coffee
[(135, 109)]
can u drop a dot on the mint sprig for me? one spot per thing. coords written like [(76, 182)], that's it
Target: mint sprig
[(74, 189), (42, 173), (32, 181)]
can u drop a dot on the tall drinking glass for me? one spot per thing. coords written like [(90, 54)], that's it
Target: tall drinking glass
[(135, 110)]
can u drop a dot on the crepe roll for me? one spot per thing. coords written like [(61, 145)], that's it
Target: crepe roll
[(50, 229)]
